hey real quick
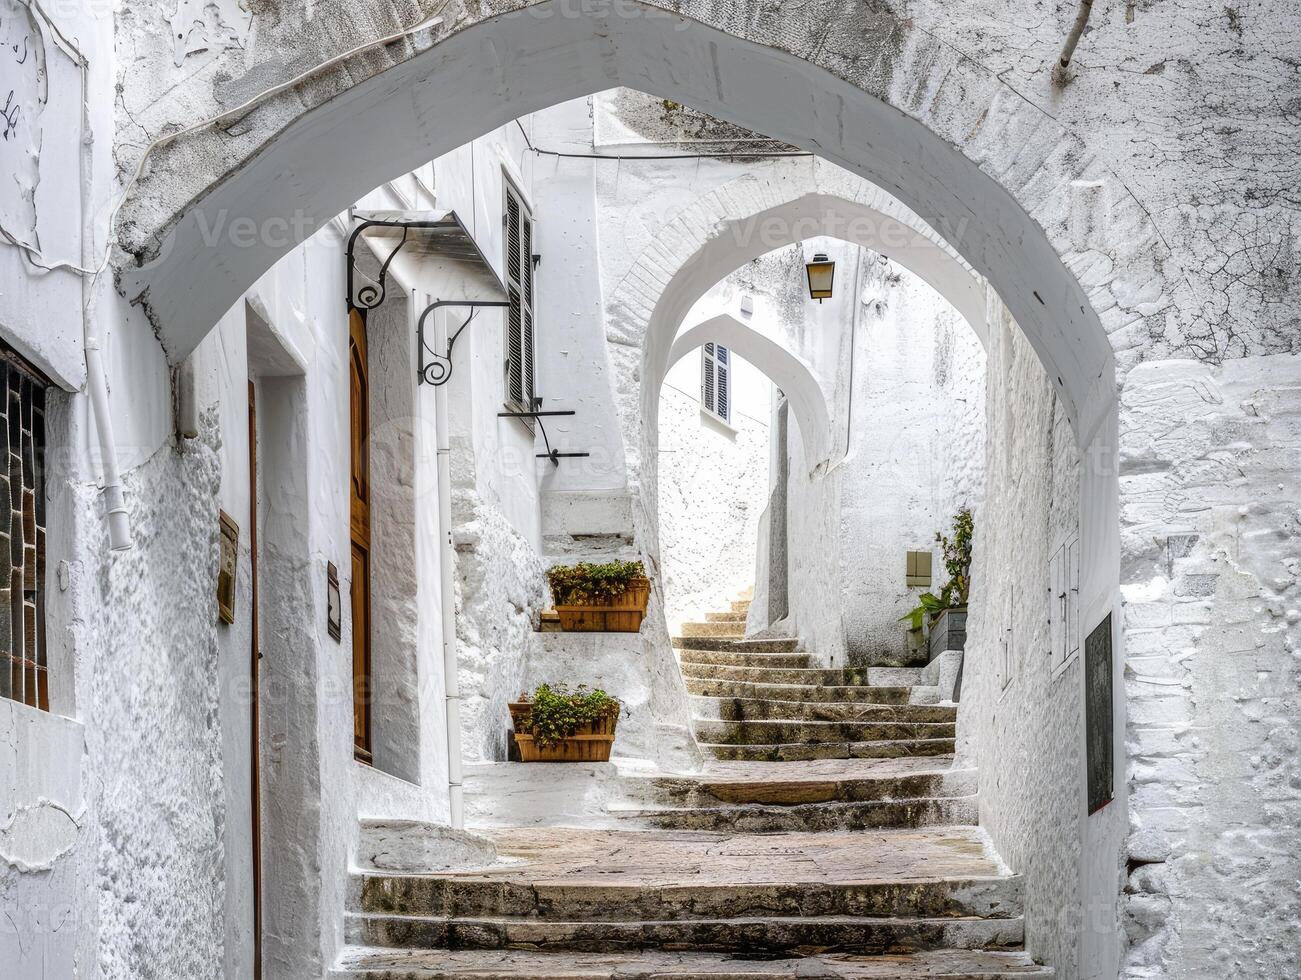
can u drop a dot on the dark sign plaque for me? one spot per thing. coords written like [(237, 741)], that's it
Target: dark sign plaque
[(1098, 717)]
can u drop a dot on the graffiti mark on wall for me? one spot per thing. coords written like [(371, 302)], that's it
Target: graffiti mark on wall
[(24, 89)]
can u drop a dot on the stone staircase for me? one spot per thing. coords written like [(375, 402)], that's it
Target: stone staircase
[(860, 860), (764, 700)]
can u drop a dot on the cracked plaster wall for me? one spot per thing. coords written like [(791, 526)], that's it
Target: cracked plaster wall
[(1021, 718)]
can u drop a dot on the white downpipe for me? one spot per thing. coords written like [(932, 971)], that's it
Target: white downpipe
[(447, 586), (119, 520)]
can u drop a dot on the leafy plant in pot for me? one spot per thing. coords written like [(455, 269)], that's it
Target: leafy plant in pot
[(609, 597), (945, 614), (556, 724)]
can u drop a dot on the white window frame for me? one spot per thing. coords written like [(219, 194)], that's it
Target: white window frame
[(716, 366), (519, 361)]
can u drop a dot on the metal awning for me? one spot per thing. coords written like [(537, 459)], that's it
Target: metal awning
[(448, 261)]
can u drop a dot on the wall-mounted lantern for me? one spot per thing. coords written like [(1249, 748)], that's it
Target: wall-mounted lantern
[(822, 274)]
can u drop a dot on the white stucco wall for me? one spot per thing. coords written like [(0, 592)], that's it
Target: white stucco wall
[(916, 448), (713, 487)]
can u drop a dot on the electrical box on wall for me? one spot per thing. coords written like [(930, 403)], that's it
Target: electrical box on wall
[(1064, 602), (918, 571)]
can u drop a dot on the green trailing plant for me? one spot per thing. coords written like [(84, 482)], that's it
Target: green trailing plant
[(556, 712), (957, 558), (957, 562), (587, 584)]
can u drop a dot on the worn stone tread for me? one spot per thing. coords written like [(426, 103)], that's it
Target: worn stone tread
[(775, 645), (839, 815), (797, 751), (770, 709), (389, 964), (804, 935), (769, 731), (841, 693), (805, 676), (743, 658)]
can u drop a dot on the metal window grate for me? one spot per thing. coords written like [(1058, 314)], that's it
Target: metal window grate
[(24, 669)]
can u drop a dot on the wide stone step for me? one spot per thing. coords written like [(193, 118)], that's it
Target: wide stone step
[(731, 658), (726, 617), (858, 694), (786, 645), (868, 815), (795, 783), (834, 677), (750, 709), (778, 732), (727, 630), (473, 897), (795, 752), (803, 935), (741, 606), (364, 963)]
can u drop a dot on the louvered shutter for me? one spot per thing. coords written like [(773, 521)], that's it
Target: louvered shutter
[(520, 340), (723, 402), (715, 381)]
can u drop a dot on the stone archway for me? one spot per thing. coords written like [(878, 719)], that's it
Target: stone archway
[(1022, 200), (783, 368)]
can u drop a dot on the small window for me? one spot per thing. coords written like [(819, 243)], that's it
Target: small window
[(918, 571), (716, 381), (519, 320), (24, 664)]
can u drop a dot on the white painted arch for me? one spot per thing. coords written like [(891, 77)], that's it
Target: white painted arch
[(854, 83), (740, 221), (785, 369)]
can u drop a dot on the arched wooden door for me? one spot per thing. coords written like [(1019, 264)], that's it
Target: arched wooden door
[(359, 410)]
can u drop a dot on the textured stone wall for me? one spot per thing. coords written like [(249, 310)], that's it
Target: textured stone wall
[(499, 590), (916, 451), (1211, 516), (712, 487), (1021, 720)]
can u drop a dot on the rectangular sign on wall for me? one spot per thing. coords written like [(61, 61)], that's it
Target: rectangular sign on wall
[(1098, 716)]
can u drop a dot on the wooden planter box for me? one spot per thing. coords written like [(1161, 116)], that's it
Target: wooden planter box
[(621, 615), (948, 631), (591, 743)]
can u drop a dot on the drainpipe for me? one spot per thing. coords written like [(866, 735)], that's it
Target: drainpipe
[(447, 587), (1072, 39), (119, 521)]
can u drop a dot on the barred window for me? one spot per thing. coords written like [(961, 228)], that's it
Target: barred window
[(24, 668), (519, 320)]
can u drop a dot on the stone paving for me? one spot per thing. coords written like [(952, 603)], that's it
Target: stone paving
[(851, 866)]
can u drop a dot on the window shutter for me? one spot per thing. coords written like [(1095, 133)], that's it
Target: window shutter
[(715, 381), (707, 379), (521, 344), (723, 402)]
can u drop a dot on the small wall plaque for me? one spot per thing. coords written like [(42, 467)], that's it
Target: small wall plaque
[(1098, 716), (333, 602), (228, 570)]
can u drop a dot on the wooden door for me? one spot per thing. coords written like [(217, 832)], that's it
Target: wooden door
[(255, 670), (359, 402)]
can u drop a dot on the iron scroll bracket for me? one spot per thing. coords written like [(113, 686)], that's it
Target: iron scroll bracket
[(372, 294), (436, 366)]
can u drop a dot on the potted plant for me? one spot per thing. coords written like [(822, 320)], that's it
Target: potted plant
[(555, 724), (609, 597), (946, 614)]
